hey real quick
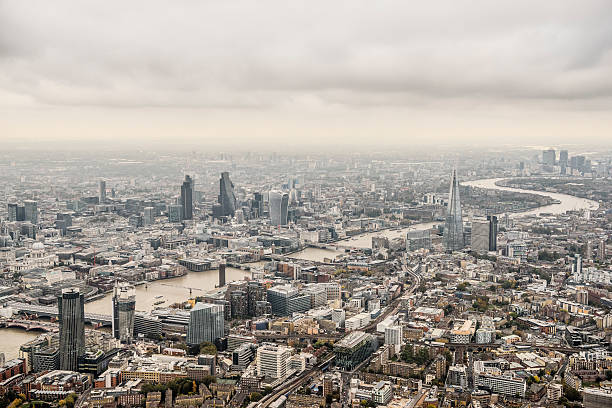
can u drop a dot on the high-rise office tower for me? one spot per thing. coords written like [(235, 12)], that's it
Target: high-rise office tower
[(563, 158), (31, 211), (175, 213), (12, 212), (21, 213), (484, 234), (257, 207), (206, 323), (221, 274), (124, 307), (148, 215), (492, 232), (187, 198), (480, 235), (102, 192), (453, 226), (549, 157), (279, 206), (71, 328), (577, 162), (227, 198)]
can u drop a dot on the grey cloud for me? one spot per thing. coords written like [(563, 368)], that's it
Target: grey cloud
[(262, 53)]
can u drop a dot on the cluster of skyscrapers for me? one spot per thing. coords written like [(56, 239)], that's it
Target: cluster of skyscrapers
[(578, 163), (227, 204), (26, 212), (71, 318)]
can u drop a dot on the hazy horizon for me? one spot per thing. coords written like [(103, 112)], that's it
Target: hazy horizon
[(282, 75)]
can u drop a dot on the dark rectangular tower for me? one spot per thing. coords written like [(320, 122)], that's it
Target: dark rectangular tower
[(71, 308), (221, 275), (187, 198)]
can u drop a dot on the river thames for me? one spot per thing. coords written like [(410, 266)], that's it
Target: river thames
[(566, 202), (177, 289)]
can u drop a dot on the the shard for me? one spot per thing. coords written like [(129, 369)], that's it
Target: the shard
[(453, 226)]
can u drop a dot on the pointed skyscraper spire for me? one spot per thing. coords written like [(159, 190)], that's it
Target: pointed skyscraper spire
[(453, 227)]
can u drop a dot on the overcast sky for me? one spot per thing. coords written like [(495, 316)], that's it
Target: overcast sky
[(292, 72)]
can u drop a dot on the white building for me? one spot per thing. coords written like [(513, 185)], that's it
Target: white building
[(382, 392), (506, 384), (394, 335), (338, 316), (462, 334), (484, 336), (272, 360), (356, 322)]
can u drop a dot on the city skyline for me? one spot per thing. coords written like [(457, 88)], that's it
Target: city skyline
[(306, 204)]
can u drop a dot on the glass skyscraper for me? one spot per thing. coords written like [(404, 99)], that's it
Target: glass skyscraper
[(102, 192), (206, 323), (187, 198), (227, 198), (279, 206), (124, 306), (31, 211), (453, 226), (71, 328)]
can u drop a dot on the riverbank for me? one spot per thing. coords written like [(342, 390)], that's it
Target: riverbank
[(172, 290), (565, 202)]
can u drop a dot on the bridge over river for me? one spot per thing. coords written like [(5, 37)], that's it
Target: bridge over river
[(51, 311)]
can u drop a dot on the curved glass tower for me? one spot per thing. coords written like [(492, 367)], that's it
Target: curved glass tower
[(279, 207)]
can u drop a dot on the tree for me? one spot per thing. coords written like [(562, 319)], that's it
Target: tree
[(209, 379), (207, 347), (462, 286), (255, 396), (186, 388)]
